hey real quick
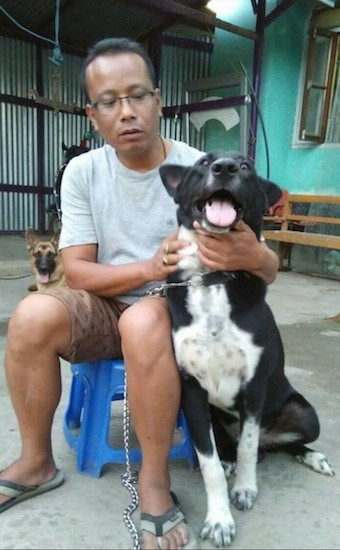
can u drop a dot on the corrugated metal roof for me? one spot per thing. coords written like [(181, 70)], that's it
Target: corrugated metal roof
[(83, 22)]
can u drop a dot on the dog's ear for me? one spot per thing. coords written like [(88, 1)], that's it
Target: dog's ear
[(272, 191), (55, 238), (172, 175), (31, 238)]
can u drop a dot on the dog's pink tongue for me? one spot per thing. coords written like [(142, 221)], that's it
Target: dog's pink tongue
[(220, 213), (44, 278)]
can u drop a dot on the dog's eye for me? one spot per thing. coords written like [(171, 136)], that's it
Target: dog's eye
[(244, 166), (37, 255), (204, 162), (50, 254)]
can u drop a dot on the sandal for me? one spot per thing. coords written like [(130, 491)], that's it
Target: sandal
[(19, 493), (161, 525)]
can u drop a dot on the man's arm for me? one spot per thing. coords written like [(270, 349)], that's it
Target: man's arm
[(84, 273), (237, 250)]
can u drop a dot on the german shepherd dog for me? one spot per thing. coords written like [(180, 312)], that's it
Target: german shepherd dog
[(235, 395), (45, 261)]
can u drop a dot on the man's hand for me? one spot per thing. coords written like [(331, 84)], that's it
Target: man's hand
[(164, 262), (236, 250)]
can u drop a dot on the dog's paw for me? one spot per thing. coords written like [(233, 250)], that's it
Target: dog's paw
[(243, 497), (317, 461), (221, 531), (228, 467)]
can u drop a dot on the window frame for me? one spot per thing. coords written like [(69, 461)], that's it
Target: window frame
[(309, 85)]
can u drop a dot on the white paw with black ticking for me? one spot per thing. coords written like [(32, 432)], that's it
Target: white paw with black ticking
[(243, 497), (317, 461), (220, 529)]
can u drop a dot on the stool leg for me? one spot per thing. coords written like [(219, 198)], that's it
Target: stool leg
[(189, 446), (185, 449), (96, 417), (75, 404)]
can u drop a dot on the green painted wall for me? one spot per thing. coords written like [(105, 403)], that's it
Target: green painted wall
[(305, 170)]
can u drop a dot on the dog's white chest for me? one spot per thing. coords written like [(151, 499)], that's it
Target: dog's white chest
[(213, 349)]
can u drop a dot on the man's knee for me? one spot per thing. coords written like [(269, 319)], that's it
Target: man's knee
[(36, 318), (146, 335), (144, 320)]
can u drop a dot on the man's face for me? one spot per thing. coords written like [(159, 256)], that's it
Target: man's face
[(131, 127)]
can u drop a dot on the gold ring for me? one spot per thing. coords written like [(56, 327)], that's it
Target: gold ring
[(165, 261), (166, 249)]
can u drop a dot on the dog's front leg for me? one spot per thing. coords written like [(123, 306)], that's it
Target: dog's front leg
[(219, 525), (244, 490)]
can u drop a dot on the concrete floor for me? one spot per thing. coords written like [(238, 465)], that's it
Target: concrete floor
[(295, 508)]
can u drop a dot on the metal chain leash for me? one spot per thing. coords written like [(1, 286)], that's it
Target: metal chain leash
[(129, 479), (196, 280)]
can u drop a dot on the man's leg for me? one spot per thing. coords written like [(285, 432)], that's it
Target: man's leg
[(154, 399), (39, 331)]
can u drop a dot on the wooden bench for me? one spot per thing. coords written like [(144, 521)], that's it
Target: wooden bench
[(293, 228)]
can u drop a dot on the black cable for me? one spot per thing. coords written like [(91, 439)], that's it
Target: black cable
[(260, 116), (11, 277)]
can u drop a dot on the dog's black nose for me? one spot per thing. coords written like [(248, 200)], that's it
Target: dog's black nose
[(224, 166)]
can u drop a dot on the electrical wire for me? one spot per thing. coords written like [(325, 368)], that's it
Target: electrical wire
[(234, 68), (260, 116), (12, 277), (57, 56)]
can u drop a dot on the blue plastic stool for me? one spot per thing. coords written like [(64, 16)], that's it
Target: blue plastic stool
[(94, 386)]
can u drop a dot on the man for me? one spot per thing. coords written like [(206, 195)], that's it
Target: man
[(118, 240)]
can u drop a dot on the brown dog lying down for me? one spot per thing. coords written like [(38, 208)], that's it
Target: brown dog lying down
[(45, 261)]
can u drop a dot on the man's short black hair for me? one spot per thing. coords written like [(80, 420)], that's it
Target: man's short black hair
[(112, 46)]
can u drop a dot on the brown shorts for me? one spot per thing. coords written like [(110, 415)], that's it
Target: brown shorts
[(94, 325)]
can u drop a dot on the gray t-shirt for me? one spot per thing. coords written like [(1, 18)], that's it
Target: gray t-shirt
[(126, 213)]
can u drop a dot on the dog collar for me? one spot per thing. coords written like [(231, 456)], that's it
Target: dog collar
[(197, 280)]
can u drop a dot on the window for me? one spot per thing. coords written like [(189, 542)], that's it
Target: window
[(320, 114)]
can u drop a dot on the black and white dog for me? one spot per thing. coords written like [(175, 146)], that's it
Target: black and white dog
[(227, 344)]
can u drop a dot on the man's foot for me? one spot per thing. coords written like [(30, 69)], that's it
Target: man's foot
[(18, 481), (168, 530), (18, 493)]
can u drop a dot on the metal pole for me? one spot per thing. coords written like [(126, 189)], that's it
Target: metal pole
[(257, 71)]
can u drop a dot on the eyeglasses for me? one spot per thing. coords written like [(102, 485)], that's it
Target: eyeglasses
[(106, 106)]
